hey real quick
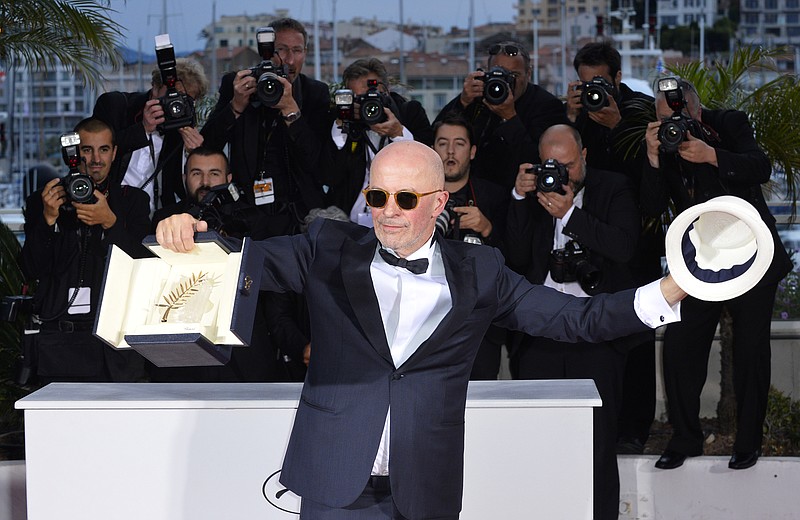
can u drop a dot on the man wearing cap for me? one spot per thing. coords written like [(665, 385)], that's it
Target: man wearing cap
[(718, 156), (397, 315), (506, 133)]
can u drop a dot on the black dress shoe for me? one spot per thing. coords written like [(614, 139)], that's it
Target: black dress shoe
[(744, 459), (670, 460)]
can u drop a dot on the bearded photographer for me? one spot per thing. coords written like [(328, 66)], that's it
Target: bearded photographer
[(65, 251), (694, 155), (574, 228), (149, 156), (357, 141), (476, 213), (604, 109), (277, 129), (508, 122)]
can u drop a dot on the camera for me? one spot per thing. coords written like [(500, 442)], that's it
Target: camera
[(675, 129), (448, 221), (551, 176), (571, 264), (372, 103), (178, 107), (498, 84), (269, 88), (78, 186), (594, 95), (345, 111), (212, 207)]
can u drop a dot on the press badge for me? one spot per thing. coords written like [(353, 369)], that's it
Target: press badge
[(264, 191), (82, 303)]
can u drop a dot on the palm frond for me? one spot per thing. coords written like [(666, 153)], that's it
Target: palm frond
[(78, 34)]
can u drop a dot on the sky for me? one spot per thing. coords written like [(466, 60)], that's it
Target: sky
[(185, 18)]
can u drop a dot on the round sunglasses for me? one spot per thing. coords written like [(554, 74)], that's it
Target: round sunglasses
[(405, 199)]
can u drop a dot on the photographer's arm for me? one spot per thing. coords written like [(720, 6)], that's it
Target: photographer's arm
[(131, 211), (740, 160)]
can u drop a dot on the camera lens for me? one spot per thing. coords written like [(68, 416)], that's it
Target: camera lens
[(594, 98), (589, 277), (269, 89), (372, 112), (549, 182), (495, 91), (80, 188), (671, 135), (176, 108)]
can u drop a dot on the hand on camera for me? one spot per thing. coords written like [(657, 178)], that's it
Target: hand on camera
[(697, 151), (391, 128), (474, 219), (152, 116), (555, 203), (473, 88), (53, 196), (526, 180), (97, 212)]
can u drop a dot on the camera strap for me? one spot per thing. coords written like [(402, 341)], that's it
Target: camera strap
[(157, 167)]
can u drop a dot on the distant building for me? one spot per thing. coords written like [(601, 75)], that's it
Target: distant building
[(548, 13), (769, 22), (673, 13)]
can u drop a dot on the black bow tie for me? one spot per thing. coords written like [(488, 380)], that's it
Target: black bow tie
[(418, 266)]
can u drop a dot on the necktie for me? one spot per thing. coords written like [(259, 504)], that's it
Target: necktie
[(418, 266)]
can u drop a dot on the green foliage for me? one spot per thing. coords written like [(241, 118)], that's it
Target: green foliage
[(80, 34), (782, 425), (773, 108)]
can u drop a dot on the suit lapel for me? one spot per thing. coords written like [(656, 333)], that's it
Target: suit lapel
[(460, 273), (355, 270)]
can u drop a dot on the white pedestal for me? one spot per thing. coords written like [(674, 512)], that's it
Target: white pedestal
[(211, 451)]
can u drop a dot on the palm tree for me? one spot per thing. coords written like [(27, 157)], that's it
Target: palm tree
[(43, 34)]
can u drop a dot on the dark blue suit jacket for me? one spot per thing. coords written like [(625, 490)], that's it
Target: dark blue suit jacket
[(352, 380)]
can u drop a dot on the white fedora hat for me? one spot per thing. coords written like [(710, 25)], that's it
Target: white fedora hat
[(719, 249)]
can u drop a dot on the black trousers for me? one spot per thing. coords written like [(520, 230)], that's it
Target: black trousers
[(638, 408), (686, 348), (375, 503), (542, 358)]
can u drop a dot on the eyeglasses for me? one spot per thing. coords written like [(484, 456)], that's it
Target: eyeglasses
[(508, 50), (285, 51), (405, 199)]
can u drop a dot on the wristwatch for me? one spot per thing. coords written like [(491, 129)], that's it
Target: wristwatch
[(291, 117)]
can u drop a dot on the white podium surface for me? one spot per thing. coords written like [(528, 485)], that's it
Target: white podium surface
[(214, 451)]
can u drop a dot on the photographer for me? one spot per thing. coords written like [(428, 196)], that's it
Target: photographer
[(604, 122), (694, 155), (66, 244), (475, 212), (357, 141), (507, 132), (149, 157), (565, 205), (277, 153), (612, 108), (205, 170)]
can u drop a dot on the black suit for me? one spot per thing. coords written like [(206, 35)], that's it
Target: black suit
[(608, 226), (504, 145), (261, 145), (352, 380), (492, 200), (66, 349), (122, 111), (743, 168), (350, 162), (613, 149)]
